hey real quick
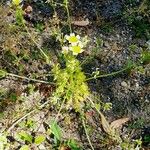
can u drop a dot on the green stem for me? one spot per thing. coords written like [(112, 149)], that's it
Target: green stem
[(29, 79), (86, 132), (59, 4), (68, 14), (61, 107), (85, 60), (107, 75)]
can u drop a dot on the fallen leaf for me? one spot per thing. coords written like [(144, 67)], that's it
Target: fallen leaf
[(64, 148), (81, 23), (119, 122), (105, 125)]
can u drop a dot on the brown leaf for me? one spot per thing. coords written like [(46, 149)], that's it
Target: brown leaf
[(105, 124), (119, 122), (81, 23)]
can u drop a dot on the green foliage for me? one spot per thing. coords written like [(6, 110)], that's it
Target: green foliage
[(107, 27), (72, 144), (39, 139), (71, 87), (138, 18), (133, 47), (145, 57), (107, 106), (25, 136), (13, 97), (95, 73), (2, 73), (139, 123), (141, 27), (25, 147), (130, 65), (131, 145), (70, 83), (19, 16), (56, 130), (4, 145), (147, 138), (39, 27), (28, 123)]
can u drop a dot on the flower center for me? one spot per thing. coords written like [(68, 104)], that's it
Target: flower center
[(76, 49), (73, 39)]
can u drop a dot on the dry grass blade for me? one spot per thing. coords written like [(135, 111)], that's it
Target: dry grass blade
[(118, 123)]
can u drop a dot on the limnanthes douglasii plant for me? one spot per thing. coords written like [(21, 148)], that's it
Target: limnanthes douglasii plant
[(71, 87)]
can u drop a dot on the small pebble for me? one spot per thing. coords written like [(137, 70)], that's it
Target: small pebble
[(28, 9), (106, 44), (124, 84)]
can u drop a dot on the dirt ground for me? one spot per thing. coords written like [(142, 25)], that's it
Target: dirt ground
[(113, 43)]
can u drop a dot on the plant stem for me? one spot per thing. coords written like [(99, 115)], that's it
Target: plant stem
[(86, 132), (68, 14), (29, 79), (44, 54), (59, 110), (26, 115), (107, 75)]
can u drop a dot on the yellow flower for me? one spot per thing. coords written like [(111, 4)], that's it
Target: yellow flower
[(16, 2), (73, 39), (76, 49)]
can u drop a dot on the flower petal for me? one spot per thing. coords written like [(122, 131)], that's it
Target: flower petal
[(78, 37), (72, 34)]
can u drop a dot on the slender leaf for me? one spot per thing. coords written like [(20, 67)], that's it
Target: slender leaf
[(39, 139)]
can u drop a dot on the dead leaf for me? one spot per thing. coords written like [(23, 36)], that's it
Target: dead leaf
[(116, 47), (119, 122), (105, 124), (64, 148), (81, 23)]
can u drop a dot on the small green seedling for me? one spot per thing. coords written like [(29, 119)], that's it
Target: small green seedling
[(29, 139)]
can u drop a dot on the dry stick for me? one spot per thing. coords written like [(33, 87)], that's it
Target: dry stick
[(46, 57), (29, 79), (19, 120), (86, 132), (23, 117)]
